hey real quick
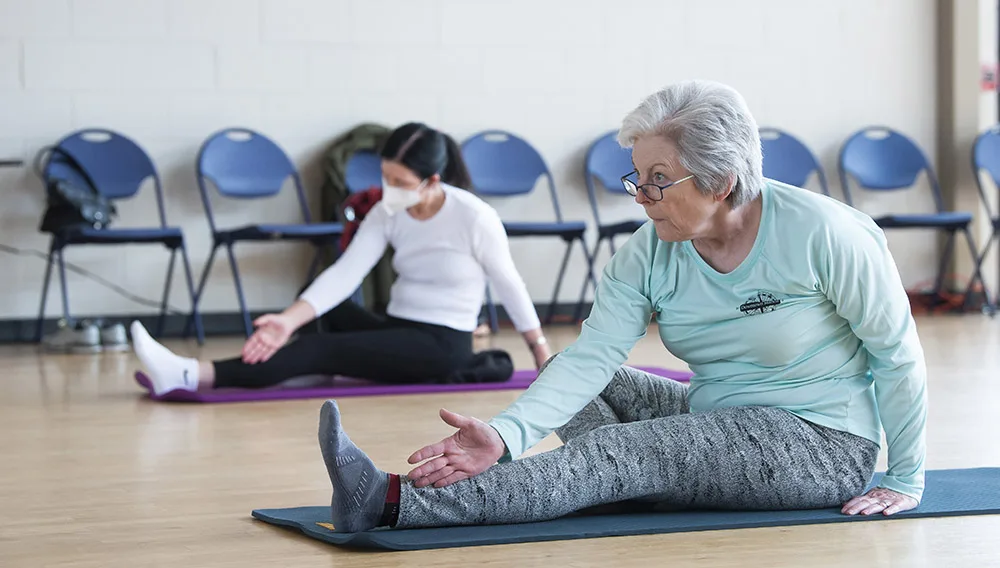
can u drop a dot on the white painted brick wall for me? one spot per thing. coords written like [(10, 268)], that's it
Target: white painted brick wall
[(171, 72), (400, 24), (264, 69), (120, 19), (10, 65), (296, 21), (230, 22), (35, 18), (114, 66), (26, 115)]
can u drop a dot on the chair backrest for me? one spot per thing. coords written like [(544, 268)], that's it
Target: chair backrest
[(364, 171), (245, 164), (606, 162), (113, 164), (986, 156), (502, 164), (788, 160), (882, 159)]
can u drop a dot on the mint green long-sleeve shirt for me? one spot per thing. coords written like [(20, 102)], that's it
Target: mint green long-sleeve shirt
[(814, 321)]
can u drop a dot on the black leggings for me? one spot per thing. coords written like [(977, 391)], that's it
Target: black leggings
[(362, 345)]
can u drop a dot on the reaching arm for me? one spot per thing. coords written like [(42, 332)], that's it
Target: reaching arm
[(619, 318), (492, 249), (860, 277), (336, 283)]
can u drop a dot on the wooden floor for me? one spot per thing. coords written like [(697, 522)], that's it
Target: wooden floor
[(91, 474)]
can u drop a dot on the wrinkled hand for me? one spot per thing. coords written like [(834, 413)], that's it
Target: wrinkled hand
[(273, 331), (879, 500), (466, 453)]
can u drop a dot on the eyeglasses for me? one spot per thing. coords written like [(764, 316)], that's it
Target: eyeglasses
[(650, 190)]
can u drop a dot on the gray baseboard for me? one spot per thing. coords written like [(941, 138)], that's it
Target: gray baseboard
[(219, 324)]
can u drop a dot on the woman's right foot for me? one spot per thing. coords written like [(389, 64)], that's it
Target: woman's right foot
[(359, 488), (166, 370)]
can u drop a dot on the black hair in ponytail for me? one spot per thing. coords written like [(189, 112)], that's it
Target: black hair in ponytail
[(427, 152)]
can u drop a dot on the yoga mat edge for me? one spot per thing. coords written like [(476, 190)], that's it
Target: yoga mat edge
[(351, 387), (950, 493)]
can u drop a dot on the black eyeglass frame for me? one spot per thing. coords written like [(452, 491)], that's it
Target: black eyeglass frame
[(633, 189)]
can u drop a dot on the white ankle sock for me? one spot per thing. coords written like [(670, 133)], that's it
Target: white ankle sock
[(167, 371)]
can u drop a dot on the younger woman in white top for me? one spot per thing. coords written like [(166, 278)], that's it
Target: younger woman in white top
[(447, 243)]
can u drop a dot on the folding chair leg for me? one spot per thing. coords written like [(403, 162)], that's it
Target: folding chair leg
[(578, 312), (945, 259), (977, 275), (196, 295), (65, 289), (990, 301), (986, 250), (162, 321), (555, 293), (45, 292), (590, 280), (247, 325), (194, 316)]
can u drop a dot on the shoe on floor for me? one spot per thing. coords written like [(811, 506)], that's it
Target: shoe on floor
[(114, 337), (82, 338)]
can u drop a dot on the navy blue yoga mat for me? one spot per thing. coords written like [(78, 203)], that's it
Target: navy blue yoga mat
[(949, 492)]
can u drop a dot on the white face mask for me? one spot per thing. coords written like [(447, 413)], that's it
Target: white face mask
[(396, 199)]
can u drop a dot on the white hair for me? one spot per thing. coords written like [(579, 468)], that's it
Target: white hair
[(715, 134)]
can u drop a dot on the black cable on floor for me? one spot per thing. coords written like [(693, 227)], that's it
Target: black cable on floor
[(93, 277)]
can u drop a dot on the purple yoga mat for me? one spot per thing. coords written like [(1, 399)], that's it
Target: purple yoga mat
[(341, 387)]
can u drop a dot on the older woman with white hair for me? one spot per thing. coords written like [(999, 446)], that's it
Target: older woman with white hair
[(786, 305)]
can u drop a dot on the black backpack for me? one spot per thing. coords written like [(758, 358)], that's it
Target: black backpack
[(70, 204)]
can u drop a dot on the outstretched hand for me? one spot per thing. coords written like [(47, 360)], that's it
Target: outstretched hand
[(879, 500), (468, 452), (273, 332)]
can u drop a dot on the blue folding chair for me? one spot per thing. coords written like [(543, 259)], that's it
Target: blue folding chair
[(504, 165), (986, 156), (881, 159), (363, 171), (243, 164), (115, 167), (607, 162), (788, 160)]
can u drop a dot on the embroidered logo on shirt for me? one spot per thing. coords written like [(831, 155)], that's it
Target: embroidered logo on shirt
[(761, 303)]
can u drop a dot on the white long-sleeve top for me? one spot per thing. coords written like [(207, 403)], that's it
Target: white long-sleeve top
[(443, 264)]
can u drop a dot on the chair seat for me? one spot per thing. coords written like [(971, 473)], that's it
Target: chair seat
[(623, 227), (308, 231), (170, 236), (566, 229), (949, 220)]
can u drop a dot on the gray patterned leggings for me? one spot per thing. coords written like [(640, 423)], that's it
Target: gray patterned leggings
[(637, 444)]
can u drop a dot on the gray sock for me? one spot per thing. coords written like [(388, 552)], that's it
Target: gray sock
[(359, 488)]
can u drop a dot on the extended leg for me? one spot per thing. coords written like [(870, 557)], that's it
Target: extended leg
[(390, 355), (734, 458)]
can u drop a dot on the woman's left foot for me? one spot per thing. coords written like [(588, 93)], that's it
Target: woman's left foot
[(166, 370), (359, 488)]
